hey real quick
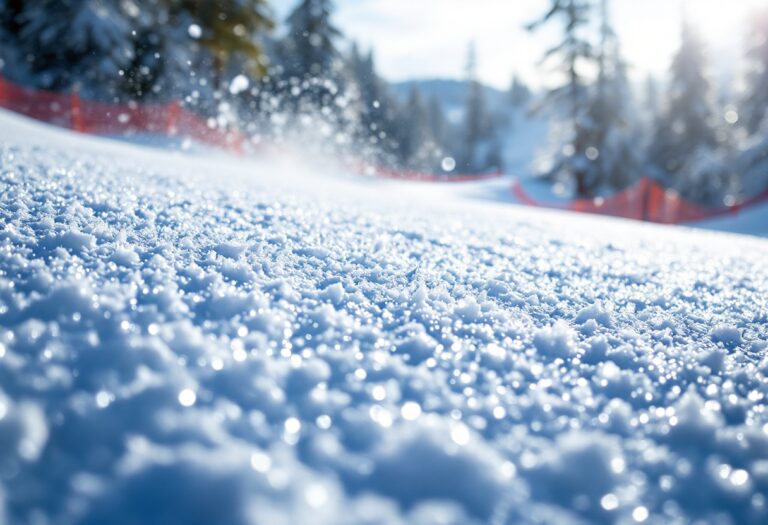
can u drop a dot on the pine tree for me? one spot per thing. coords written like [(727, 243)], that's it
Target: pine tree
[(651, 102), (76, 42), (417, 147), (437, 123), (379, 113), (311, 44), (9, 30), (476, 123), (755, 105), (519, 93), (229, 30), (612, 150), (146, 74), (685, 139), (751, 165), (376, 104), (10, 10), (570, 158)]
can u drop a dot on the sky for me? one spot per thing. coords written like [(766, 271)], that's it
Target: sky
[(429, 38)]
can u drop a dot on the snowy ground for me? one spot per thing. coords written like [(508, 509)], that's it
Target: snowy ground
[(202, 340)]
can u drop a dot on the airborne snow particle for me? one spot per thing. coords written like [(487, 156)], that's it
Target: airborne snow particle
[(239, 84), (316, 495), (195, 31), (410, 410), (187, 397), (609, 501), (460, 434), (292, 425), (260, 462), (324, 421), (739, 477), (103, 398), (640, 514)]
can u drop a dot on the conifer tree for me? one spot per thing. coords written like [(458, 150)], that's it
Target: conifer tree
[(751, 165), (311, 44), (229, 30), (519, 93), (437, 123), (476, 124), (755, 104), (417, 147), (685, 134), (651, 101), (612, 150), (76, 42), (570, 100), (377, 110), (376, 104), (9, 30)]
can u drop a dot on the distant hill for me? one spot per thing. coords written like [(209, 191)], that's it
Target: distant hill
[(452, 94)]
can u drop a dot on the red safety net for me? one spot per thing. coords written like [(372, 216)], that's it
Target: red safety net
[(647, 200), (69, 110)]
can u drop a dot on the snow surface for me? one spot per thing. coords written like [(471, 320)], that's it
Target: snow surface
[(201, 340)]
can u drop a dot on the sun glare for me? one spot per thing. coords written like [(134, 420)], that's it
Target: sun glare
[(650, 30), (721, 22)]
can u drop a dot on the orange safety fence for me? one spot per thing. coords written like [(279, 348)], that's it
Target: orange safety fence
[(70, 110), (646, 200)]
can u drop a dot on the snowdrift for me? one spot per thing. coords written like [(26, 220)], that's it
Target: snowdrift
[(206, 340)]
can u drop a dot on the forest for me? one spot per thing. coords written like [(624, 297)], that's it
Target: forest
[(299, 79)]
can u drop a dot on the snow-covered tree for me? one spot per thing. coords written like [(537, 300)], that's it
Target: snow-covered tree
[(476, 123), (685, 138), (378, 112), (755, 104), (310, 47), (612, 151), (437, 122), (9, 29), (569, 156), (417, 147), (751, 164), (651, 100), (519, 93), (76, 42)]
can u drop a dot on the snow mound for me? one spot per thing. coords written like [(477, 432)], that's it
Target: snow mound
[(242, 348)]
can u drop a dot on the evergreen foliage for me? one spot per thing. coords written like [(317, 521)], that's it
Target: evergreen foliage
[(70, 43), (755, 104), (570, 101), (685, 147)]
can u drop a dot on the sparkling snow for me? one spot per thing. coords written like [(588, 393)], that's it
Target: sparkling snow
[(204, 340)]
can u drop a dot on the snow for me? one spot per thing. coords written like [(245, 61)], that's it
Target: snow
[(214, 340)]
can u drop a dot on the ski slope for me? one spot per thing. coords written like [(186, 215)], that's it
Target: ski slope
[(197, 339)]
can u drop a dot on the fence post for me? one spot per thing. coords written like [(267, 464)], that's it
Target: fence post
[(234, 141), (4, 98), (645, 190), (173, 117), (75, 107)]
